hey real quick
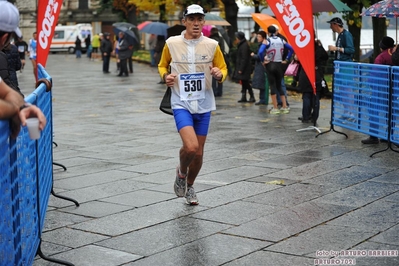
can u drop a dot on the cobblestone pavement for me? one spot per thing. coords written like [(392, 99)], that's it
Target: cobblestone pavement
[(269, 195)]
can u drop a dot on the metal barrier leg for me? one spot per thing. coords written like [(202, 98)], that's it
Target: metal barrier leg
[(41, 255), (332, 113), (60, 165), (64, 198)]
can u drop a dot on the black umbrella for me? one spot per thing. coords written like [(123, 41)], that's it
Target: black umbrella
[(175, 30), (130, 26), (130, 36)]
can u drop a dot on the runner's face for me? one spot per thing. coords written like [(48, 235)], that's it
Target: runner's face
[(194, 24)]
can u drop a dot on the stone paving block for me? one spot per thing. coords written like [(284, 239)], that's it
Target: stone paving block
[(93, 255), (360, 194), (56, 219), (354, 157), (93, 179), (394, 197), (291, 195), (372, 247), (379, 215), (324, 152), (232, 174), (211, 250), (101, 191), (390, 236), (139, 198), (121, 223), (391, 177), (71, 238), (348, 176), (248, 211), (97, 167), (96, 209), (293, 160), (165, 236), (288, 222), (322, 237), (219, 165), (50, 248), (271, 258), (229, 193), (307, 171), (152, 167)]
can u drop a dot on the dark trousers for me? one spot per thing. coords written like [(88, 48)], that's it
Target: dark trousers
[(123, 67), (106, 59), (217, 87), (310, 106), (130, 62)]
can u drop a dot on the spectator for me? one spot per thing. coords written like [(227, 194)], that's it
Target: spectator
[(152, 42), (78, 47), (106, 50), (216, 85), (259, 76), (12, 104), (14, 64), (32, 53), (23, 50), (243, 68)]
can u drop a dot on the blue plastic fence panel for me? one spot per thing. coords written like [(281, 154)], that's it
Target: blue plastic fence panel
[(45, 144), (361, 98), (395, 106), (6, 217)]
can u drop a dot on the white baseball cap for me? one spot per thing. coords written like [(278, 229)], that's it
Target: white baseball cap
[(194, 10), (9, 18)]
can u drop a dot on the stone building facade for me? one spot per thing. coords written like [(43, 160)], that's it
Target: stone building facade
[(72, 12)]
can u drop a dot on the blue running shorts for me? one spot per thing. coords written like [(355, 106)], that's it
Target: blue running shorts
[(200, 122)]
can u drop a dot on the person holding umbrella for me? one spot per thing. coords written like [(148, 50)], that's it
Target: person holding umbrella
[(123, 54), (193, 60)]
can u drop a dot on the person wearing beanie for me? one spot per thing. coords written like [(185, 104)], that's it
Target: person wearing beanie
[(384, 58), (243, 69)]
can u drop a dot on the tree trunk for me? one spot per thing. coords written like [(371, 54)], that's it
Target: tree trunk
[(256, 4), (379, 31), (231, 11), (356, 40), (131, 16)]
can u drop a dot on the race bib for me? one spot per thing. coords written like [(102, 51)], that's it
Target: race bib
[(21, 48), (192, 86)]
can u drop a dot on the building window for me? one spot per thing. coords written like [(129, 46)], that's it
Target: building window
[(83, 4)]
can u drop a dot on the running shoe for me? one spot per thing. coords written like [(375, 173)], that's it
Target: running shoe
[(285, 110), (191, 197), (180, 185), (274, 111)]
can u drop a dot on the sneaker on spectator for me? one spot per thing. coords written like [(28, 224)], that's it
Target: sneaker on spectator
[(284, 110), (180, 185), (191, 197), (274, 111)]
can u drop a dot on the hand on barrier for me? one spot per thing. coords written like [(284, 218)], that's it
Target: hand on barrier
[(27, 111)]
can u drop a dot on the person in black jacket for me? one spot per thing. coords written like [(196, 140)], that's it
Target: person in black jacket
[(123, 54), (106, 50), (78, 47), (14, 64), (243, 69), (311, 101)]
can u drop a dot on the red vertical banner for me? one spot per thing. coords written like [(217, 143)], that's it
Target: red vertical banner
[(296, 19), (47, 17)]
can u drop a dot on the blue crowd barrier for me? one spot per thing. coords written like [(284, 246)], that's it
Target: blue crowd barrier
[(26, 176), (394, 134), (361, 98)]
